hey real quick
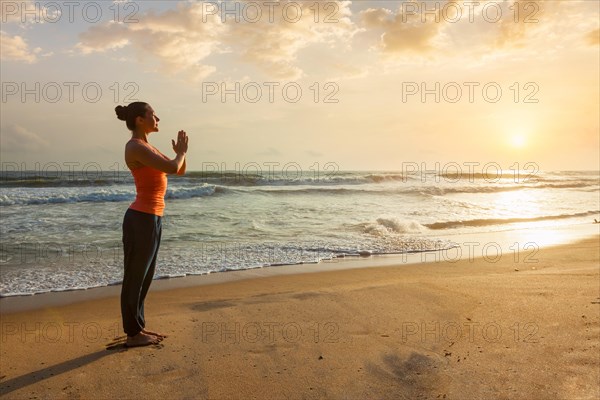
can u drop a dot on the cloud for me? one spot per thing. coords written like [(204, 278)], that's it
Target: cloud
[(16, 138), (549, 26), (422, 28), (402, 30), (522, 18), (182, 39), (15, 48), (10, 11), (274, 47), (593, 38), (14, 12), (103, 38)]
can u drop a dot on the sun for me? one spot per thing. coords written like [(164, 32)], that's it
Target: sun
[(518, 141)]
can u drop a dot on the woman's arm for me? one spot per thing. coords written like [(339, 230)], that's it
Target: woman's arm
[(182, 169)]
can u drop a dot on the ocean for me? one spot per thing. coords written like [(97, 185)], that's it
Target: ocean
[(63, 231)]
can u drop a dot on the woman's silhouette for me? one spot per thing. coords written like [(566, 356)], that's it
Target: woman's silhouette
[(142, 224)]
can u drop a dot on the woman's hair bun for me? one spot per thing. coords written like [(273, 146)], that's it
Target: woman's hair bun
[(130, 112), (121, 112)]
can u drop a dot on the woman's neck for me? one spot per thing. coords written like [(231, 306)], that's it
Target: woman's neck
[(140, 135)]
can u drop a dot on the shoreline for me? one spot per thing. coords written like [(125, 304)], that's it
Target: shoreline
[(463, 330), (503, 241)]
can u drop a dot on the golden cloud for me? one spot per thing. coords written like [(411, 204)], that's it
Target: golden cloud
[(183, 38), (402, 31), (593, 38), (15, 48)]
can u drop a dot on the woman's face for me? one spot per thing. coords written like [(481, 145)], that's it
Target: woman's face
[(150, 121)]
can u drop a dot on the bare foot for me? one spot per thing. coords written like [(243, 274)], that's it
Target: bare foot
[(141, 339), (158, 335)]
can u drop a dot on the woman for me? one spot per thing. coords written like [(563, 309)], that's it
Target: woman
[(142, 225)]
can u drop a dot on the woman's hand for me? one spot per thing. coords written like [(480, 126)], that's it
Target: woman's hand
[(182, 143)]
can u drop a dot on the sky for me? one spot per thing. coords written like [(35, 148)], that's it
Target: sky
[(360, 85)]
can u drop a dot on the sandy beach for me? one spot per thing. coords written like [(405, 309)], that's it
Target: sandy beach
[(466, 330)]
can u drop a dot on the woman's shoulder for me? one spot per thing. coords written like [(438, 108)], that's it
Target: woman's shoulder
[(131, 150), (136, 142), (134, 147)]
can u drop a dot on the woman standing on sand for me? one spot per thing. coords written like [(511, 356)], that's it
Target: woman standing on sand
[(142, 224)]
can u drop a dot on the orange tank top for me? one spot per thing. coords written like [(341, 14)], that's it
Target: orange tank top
[(150, 187)]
